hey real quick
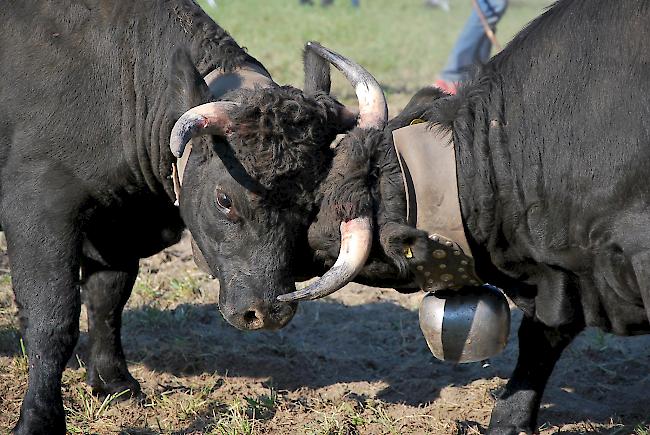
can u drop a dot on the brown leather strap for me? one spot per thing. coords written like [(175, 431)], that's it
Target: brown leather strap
[(428, 164), (247, 76)]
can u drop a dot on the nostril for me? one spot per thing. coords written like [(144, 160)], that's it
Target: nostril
[(250, 316)]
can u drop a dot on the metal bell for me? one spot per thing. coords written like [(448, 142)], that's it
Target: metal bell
[(465, 325)]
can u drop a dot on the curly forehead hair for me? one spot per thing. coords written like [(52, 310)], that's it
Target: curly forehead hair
[(282, 137)]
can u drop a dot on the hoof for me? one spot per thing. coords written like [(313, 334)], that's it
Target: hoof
[(103, 389), (30, 423)]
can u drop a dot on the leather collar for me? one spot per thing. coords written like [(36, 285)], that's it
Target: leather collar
[(428, 162)]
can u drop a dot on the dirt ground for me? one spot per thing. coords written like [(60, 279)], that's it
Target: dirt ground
[(355, 362)]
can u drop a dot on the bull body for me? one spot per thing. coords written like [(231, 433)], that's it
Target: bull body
[(89, 93), (86, 100), (552, 143)]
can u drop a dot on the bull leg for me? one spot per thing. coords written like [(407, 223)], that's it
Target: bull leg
[(43, 250), (540, 347), (105, 292)]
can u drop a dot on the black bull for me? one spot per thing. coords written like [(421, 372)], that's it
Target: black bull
[(549, 139), (552, 143), (90, 91)]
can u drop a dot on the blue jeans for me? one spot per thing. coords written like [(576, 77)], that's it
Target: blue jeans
[(472, 45)]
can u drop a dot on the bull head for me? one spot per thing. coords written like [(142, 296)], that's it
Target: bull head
[(253, 185)]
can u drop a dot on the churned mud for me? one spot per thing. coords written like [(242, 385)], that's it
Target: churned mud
[(354, 362)]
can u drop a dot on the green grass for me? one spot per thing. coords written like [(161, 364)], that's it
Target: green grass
[(92, 408), (235, 421), (403, 43)]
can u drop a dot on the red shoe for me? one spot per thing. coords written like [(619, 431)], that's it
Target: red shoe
[(445, 86)]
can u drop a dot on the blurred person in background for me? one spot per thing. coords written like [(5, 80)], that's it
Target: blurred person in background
[(473, 45)]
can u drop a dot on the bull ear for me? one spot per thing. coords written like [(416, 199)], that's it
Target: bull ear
[(187, 88), (317, 72), (318, 79)]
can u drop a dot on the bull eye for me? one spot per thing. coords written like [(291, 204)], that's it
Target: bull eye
[(223, 201)]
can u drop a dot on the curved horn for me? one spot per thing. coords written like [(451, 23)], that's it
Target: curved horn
[(373, 112), (209, 118), (356, 241)]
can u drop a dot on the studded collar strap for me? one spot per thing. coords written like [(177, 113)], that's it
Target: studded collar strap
[(428, 164)]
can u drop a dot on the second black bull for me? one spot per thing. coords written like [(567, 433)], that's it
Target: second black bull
[(552, 145), (89, 93)]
